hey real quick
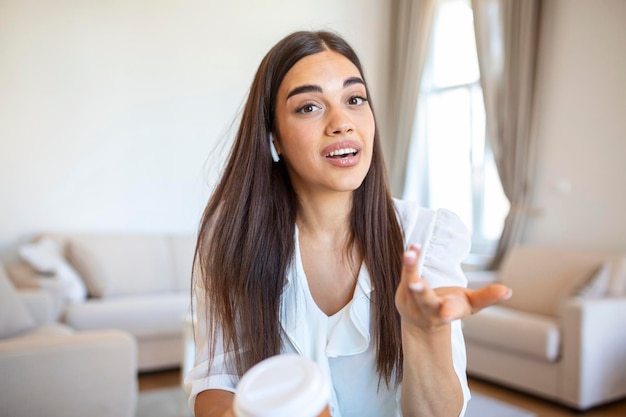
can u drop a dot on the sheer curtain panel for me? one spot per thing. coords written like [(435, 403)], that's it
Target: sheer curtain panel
[(507, 34), (412, 23)]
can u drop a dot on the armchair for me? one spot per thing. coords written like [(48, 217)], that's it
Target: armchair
[(559, 336)]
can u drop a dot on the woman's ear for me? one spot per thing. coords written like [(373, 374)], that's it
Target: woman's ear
[(273, 150)]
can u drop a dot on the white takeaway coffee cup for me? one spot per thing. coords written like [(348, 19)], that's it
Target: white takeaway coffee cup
[(283, 386)]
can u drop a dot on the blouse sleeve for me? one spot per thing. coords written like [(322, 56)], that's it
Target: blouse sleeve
[(445, 243), (200, 377)]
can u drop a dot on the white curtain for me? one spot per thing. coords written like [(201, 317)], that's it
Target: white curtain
[(507, 33), (411, 30)]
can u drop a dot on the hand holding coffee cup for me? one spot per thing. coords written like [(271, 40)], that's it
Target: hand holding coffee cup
[(283, 386)]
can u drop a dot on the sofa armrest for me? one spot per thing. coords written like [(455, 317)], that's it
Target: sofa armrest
[(594, 350), (81, 374)]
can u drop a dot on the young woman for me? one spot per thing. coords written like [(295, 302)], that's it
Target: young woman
[(302, 250)]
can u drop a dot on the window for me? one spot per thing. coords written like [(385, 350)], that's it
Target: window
[(450, 161)]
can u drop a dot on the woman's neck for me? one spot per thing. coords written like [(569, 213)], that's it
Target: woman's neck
[(325, 215), (330, 262)]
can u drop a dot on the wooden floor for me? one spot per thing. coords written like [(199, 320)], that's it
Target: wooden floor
[(540, 407), (156, 380), (166, 379)]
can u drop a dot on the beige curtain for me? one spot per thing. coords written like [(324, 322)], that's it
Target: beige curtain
[(507, 33), (411, 28)]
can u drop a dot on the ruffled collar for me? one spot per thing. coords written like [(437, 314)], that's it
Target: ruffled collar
[(310, 330)]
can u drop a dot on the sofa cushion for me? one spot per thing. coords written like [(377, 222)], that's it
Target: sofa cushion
[(542, 277), (47, 331), (14, 317), (145, 316), (515, 331), (114, 265), (40, 305)]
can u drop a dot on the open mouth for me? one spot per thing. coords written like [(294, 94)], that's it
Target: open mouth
[(342, 153)]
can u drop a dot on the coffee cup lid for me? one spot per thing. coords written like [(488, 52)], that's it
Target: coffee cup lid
[(282, 386)]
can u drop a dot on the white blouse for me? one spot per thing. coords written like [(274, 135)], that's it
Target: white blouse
[(340, 344)]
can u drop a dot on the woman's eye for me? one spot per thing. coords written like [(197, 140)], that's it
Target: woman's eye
[(356, 100), (307, 108)]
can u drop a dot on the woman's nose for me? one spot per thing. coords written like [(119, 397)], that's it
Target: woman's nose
[(339, 122)]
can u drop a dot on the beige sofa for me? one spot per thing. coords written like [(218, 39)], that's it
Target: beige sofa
[(136, 283), (561, 336), (49, 369)]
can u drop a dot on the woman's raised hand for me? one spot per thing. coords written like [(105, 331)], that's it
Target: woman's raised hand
[(430, 308)]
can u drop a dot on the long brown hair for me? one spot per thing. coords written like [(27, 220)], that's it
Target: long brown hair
[(246, 237)]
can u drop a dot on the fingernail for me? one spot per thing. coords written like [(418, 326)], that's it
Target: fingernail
[(415, 247), (508, 295), (410, 256), (417, 286)]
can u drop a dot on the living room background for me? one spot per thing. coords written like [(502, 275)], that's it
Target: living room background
[(116, 116)]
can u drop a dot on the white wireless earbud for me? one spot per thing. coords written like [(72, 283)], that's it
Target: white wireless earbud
[(275, 155)]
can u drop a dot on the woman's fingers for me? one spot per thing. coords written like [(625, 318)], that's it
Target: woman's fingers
[(423, 306), (425, 297), (416, 301), (421, 292), (458, 302), (489, 295)]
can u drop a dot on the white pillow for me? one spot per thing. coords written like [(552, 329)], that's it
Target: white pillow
[(14, 317), (617, 284), (46, 256), (597, 285)]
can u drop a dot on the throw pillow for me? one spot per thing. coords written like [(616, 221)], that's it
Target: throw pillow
[(597, 284), (14, 317), (617, 284), (23, 276), (542, 277), (46, 256), (87, 265)]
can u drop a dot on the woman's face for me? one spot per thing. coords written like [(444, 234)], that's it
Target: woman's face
[(325, 126)]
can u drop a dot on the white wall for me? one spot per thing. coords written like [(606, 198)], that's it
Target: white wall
[(111, 111), (581, 130)]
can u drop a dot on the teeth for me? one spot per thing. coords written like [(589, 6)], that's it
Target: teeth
[(340, 152)]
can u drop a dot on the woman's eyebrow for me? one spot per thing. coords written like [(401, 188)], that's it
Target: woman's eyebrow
[(308, 88), (353, 80)]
